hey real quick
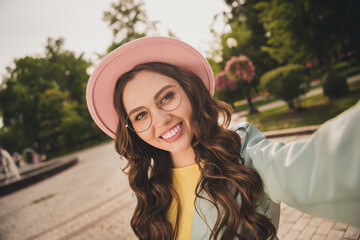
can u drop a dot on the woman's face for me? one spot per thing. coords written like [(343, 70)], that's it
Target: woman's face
[(169, 130)]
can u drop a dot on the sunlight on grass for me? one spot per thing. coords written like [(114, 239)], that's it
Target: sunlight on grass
[(316, 110), (244, 106)]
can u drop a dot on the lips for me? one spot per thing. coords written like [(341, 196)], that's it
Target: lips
[(172, 134)]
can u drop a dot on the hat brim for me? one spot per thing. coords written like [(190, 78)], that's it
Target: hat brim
[(100, 87)]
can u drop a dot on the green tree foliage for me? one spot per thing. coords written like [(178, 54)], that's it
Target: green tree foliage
[(128, 21), (250, 36), (286, 82), (249, 33), (305, 30), (42, 100), (60, 124), (19, 95)]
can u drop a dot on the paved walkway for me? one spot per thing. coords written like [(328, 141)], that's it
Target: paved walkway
[(92, 201), (31, 173)]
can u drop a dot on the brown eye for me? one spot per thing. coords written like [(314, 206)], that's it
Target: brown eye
[(167, 97), (141, 115)]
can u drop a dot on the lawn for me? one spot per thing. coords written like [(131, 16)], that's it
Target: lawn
[(244, 106), (316, 110)]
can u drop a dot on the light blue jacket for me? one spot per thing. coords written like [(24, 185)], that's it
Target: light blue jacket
[(319, 176)]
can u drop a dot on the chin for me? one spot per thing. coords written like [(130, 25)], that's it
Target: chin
[(181, 146)]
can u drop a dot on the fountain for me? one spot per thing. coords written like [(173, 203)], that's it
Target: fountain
[(9, 168)]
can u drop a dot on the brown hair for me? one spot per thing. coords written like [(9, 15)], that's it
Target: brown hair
[(149, 174)]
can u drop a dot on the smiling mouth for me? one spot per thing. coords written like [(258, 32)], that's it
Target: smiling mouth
[(169, 135)]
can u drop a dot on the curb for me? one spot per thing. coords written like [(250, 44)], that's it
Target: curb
[(291, 131), (35, 175)]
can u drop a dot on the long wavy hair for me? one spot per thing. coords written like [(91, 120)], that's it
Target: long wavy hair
[(217, 153)]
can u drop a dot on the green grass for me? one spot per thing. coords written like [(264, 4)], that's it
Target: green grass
[(316, 110), (258, 103), (244, 106)]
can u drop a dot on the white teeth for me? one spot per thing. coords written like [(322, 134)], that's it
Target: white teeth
[(171, 133)]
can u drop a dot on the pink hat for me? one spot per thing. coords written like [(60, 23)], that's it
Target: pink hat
[(100, 88)]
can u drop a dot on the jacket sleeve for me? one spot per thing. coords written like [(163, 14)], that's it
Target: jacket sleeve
[(320, 175)]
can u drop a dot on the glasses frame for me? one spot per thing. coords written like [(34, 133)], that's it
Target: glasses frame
[(128, 121)]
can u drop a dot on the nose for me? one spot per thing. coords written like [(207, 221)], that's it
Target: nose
[(160, 117)]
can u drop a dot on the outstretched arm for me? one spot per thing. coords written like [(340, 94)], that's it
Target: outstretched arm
[(320, 175)]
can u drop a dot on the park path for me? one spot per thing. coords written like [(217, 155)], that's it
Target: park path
[(240, 116), (92, 201)]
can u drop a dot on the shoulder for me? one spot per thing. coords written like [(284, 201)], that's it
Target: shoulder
[(240, 127), (247, 131), (252, 140)]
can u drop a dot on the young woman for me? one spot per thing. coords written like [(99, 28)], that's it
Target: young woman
[(192, 177)]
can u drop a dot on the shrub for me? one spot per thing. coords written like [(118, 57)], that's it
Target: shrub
[(335, 85), (347, 68), (286, 82)]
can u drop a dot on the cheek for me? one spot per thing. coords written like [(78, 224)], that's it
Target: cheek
[(144, 137), (148, 137), (186, 108), (188, 113)]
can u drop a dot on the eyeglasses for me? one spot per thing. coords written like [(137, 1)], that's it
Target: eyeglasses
[(167, 99)]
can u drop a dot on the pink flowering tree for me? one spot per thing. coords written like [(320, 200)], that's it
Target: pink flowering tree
[(241, 69), (223, 82)]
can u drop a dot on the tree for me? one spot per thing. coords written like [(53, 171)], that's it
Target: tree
[(250, 34), (19, 95), (38, 97), (223, 83), (52, 108), (66, 69), (242, 69), (128, 21), (286, 82), (305, 30)]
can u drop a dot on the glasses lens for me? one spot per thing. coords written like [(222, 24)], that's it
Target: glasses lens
[(169, 99), (140, 120)]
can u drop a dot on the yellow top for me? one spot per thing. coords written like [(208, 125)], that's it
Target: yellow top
[(185, 180)]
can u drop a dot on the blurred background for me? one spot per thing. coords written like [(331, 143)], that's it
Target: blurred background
[(280, 64)]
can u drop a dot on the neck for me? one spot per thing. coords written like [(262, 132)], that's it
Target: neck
[(183, 159)]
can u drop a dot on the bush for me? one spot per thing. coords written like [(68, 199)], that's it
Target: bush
[(347, 68), (335, 85), (315, 72), (287, 82)]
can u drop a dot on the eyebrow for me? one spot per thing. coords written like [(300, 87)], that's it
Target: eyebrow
[(161, 91), (155, 97)]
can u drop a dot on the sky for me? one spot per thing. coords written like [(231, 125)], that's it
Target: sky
[(25, 25)]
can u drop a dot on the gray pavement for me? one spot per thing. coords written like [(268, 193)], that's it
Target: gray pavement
[(92, 200), (32, 173)]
